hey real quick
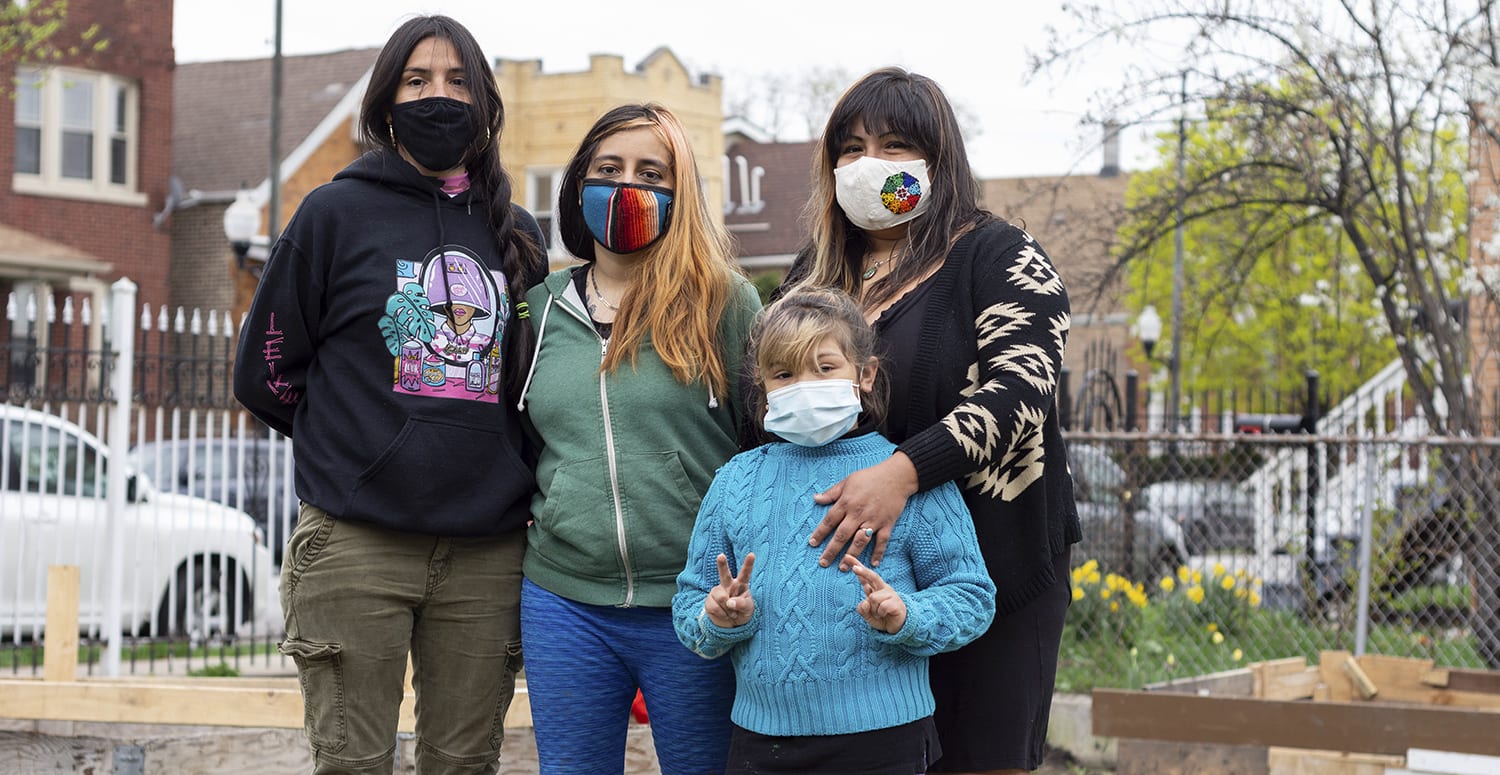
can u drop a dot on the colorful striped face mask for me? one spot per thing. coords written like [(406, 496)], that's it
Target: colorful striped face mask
[(625, 217)]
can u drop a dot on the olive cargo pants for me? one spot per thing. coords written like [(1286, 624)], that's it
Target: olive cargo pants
[(358, 598)]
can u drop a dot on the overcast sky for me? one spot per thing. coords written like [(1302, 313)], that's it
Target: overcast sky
[(1026, 128)]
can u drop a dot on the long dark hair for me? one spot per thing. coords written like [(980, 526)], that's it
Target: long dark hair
[(522, 259), (913, 106)]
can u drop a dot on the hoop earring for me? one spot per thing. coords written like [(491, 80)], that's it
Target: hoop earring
[(391, 130)]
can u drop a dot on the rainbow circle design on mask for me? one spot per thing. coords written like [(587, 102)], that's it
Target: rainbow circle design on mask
[(901, 193)]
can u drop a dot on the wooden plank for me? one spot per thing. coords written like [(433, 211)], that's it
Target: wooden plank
[(60, 660), (1269, 678), (1487, 681), (1299, 761), (166, 703), (1238, 682), (1154, 757), (36, 753), (1406, 679), (1365, 727), (1330, 667), (1450, 763), (1294, 686), (1363, 685)]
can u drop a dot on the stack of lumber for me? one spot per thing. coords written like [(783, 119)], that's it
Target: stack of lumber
[(1345, 715)]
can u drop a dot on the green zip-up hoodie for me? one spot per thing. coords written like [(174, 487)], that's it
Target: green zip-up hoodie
[(625, 458)]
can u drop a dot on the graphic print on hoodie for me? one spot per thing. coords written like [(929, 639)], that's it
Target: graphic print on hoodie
[(444, 325)]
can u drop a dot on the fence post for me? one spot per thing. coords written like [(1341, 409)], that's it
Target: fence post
[(1366, 540), (122, 339), (60, 660), (1314, 474), (1064, 400)]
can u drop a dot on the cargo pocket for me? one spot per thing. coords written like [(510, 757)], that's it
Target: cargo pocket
[(321, 674), (513, 664)]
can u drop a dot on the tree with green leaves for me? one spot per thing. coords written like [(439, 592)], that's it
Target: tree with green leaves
[(1265, 297), (33, 33), (1337, 121)]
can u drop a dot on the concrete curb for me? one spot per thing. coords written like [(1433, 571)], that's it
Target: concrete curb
[(1071, 729)]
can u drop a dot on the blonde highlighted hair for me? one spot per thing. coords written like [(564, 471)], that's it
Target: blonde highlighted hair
[(687, 278), (786, 336)]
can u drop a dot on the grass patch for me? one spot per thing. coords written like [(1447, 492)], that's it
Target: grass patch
[(26, 656)]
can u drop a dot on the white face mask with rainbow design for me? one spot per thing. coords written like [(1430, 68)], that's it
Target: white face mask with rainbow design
[(877, 193)]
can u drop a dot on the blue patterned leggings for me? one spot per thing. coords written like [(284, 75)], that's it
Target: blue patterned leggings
[(583, 666)]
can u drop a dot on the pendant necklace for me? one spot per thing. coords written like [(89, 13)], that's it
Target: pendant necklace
[(594, 282), (871, 269)]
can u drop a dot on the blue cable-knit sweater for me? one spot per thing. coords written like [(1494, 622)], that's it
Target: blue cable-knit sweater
[(806, 663)]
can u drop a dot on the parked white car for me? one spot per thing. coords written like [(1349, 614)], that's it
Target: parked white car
[(192, 567)]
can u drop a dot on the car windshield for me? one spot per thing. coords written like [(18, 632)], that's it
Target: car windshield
[(1176, 493)]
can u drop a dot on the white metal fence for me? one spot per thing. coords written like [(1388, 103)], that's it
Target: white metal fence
[(179, 544)]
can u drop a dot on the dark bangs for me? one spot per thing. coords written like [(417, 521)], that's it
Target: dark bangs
[(889, 100)]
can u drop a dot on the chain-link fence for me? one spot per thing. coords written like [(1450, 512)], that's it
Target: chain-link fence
[(1206, 552)]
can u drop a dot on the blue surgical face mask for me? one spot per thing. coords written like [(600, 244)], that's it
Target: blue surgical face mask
[(813, 412)]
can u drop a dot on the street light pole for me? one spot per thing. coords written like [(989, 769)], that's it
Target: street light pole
[(273, 222), (1174, 364)]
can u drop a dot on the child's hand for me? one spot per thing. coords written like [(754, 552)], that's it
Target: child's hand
[(882, 607), (729, 604)]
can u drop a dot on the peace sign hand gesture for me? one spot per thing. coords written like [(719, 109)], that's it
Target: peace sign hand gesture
[(882, 607), (729, 604)]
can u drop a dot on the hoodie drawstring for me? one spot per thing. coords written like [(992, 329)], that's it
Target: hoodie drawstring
[(531, 370)]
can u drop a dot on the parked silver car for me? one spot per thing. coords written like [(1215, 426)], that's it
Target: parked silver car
[(1215, 514), (1106, 506), (192, 567), (252, 474)]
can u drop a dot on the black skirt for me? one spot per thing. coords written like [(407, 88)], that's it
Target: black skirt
[(995, 694), (901, 750)]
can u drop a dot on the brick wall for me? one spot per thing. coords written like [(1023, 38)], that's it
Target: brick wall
[(140, 47)]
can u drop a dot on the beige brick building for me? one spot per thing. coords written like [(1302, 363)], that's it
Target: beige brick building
[(221, 142)]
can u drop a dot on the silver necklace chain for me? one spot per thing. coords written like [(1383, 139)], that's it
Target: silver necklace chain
[(872, 268), (594, 283)]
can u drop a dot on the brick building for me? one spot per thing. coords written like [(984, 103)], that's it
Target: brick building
[(86, 155)]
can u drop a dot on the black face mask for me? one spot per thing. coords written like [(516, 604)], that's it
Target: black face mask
[(436, 131)]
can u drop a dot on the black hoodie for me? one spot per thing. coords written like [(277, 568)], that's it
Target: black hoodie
[(373, 342)]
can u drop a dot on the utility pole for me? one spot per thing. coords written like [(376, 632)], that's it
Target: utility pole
[(1174, 365), (273, 222)]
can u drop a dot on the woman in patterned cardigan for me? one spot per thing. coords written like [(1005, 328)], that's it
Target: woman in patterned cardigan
[(973, 317)]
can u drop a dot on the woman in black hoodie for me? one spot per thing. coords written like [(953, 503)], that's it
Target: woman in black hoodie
[(385, 339)]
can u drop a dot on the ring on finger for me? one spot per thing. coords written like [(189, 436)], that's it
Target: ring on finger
[(869, 532)]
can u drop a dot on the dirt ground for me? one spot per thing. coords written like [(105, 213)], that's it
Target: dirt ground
[(1059, 763)]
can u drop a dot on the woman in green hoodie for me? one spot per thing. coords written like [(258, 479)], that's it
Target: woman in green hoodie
[(639, 350)]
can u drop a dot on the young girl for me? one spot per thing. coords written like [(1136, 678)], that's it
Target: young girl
[(817, 689)]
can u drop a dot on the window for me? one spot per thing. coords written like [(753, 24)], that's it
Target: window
[(49, 461), (541, 198), (77, 134)]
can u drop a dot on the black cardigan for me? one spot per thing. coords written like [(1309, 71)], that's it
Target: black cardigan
[(983, 391)]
